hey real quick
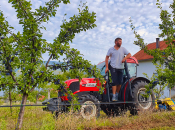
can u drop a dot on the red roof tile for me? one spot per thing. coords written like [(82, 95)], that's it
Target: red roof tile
[(141, 55)]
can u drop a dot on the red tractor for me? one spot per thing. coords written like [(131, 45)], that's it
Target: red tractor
[(130, 95)]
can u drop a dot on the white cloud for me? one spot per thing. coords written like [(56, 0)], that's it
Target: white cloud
[(112, 21)]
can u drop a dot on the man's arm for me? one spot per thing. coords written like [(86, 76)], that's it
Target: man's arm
[(106, 62), (128, 56)]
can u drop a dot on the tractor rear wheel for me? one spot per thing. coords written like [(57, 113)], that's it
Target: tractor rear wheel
[(90, 107), (141, 103)]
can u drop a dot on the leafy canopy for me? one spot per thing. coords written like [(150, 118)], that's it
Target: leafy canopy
[(23, 50), (164, 60)]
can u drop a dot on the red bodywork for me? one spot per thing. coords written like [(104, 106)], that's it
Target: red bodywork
[(83, 88), (84, 81)]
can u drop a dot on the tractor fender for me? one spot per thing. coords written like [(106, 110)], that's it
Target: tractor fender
[(144, 79), (139, 78), (126, 90)]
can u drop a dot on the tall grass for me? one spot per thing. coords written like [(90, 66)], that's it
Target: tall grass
[(36, 119)]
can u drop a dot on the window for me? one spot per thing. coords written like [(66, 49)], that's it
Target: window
[(131, 69), (102, 68)]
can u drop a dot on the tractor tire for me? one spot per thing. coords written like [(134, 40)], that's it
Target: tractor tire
[(141, 103), (90, 107)]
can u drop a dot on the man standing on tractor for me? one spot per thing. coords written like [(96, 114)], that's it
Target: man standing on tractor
[(116, 65)]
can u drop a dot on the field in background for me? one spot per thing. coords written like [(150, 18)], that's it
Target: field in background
[(36, 119)]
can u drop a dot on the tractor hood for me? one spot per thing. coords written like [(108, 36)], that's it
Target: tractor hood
[(85, 85), (85, 82)]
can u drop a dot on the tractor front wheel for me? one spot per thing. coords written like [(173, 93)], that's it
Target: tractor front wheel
[(141, 103), (90, 107)]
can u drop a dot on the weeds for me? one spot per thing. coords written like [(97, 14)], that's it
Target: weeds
[(36, 119)]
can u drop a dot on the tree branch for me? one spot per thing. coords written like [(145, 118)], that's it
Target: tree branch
[(9, 65), (11, 33), (49, 9), (26, 15), (49, 60), (42, 73)]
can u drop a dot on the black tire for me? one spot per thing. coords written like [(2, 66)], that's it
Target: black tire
[(138, 88), (90, 107), (111, 110), (107, 109)]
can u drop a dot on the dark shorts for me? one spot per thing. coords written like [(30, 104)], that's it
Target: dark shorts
[(117, 76)]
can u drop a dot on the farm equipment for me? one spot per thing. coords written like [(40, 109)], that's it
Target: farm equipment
[(165, 104), (130, 95)]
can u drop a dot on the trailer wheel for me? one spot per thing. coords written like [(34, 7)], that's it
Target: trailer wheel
[(90, 107), (141, 103)]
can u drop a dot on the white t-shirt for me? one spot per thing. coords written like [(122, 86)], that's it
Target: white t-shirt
[(116, 57)]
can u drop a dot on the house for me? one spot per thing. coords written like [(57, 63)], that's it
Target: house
[(146, 65)]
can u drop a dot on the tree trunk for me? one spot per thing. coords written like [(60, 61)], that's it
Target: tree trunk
[(48, 93), (37, 98), (10, 98), (21, 113)]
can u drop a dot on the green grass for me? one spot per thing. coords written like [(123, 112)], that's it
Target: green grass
[(37, 119)]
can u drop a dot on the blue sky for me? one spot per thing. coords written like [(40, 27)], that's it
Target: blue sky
[(112, 21)]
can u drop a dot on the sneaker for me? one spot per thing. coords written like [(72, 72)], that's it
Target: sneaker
[(114, 98), (116, 94)]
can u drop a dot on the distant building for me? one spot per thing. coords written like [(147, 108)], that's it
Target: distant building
[(146, 65)]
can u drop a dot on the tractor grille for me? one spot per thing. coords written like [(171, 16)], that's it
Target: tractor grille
[(74, 86)]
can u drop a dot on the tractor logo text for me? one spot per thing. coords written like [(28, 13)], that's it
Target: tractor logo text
[(91, 85)]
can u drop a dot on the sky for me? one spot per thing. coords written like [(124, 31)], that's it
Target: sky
[(112, 20)]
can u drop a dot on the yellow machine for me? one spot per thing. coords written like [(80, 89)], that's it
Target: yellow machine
[(166, 103)]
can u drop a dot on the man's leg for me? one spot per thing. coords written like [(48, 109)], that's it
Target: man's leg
[(119, 80), (118, 88), (114, 89)]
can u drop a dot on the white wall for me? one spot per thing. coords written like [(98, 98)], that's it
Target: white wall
[(173, 92), (148, 68), (145, 67)]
